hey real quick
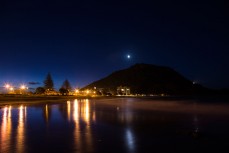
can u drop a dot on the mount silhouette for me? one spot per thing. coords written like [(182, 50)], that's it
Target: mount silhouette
[(147, 79)]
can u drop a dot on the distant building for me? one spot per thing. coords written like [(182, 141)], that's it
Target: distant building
[(123, 90), (100, 91)]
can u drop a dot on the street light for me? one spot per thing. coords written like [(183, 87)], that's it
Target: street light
[(7, 86), (22, 87)]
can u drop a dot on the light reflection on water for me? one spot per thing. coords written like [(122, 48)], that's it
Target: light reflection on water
[(115, 126), (21, 130), (6, 129), (130, 140), (81, 111)]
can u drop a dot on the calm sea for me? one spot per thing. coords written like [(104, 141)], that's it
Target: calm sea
[(120, 125)]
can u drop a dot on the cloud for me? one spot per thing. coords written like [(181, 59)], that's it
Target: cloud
[(34, 83)]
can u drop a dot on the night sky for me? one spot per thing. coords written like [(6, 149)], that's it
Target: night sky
[(85, 40)]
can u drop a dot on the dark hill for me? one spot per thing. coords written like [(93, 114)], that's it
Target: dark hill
[(146, 79)]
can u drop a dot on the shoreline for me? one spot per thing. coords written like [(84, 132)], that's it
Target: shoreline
[(7, 99), (32, 99)]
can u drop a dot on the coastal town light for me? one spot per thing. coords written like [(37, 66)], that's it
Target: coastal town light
[(23, 87)]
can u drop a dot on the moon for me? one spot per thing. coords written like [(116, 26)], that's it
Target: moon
[(128, 56)]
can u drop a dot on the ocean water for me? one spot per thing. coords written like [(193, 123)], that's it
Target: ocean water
[(120, 125)]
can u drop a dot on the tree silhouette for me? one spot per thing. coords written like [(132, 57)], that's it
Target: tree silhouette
[(40, 90), (48, 82), (63, 91), (66, 85)]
